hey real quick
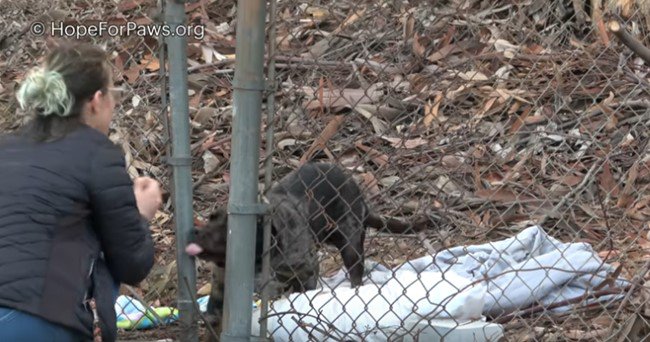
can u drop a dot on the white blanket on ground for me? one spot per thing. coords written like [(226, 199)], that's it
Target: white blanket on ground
[(507, 275)]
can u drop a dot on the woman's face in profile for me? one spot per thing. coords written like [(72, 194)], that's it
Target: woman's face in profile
[(100, 109)]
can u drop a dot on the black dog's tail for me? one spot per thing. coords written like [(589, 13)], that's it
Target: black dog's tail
[(394, 225)]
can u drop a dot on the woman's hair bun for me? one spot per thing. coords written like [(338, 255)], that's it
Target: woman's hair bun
[(45, 92)]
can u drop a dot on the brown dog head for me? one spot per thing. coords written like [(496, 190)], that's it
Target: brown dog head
[(210, 241)]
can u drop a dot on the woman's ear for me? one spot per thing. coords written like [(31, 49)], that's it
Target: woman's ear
[(96, 101)]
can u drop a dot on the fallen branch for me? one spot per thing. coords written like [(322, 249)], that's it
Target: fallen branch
[(631, 42), (589, 177), (541, 308)]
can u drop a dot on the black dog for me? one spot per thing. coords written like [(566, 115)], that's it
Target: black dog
[(318, 202)]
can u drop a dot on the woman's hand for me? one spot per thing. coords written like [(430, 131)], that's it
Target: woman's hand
[(148, 196)]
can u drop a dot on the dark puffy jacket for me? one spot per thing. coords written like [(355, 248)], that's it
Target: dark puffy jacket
[(69, 227)]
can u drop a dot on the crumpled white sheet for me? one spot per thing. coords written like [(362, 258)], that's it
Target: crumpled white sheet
[(470, 281)]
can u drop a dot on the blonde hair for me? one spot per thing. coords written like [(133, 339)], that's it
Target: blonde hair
[(45, 92)]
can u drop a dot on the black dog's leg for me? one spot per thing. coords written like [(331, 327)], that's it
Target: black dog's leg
[(214, 313), (352, 251), (295, 263)]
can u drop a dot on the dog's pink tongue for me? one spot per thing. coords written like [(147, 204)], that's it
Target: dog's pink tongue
[(193, 249)]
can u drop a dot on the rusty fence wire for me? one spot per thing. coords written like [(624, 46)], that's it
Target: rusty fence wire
[(513, 136)]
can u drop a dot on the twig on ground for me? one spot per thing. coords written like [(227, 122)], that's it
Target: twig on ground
[(632, 43)]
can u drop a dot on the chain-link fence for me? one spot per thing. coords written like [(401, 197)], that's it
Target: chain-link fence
[(518, 130), (511, 137)]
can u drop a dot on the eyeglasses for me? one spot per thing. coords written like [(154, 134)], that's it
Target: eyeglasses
[(117, 93)]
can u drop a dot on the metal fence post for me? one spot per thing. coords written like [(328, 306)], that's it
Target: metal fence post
[(243, 208), (268, 165), (181, 163)]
